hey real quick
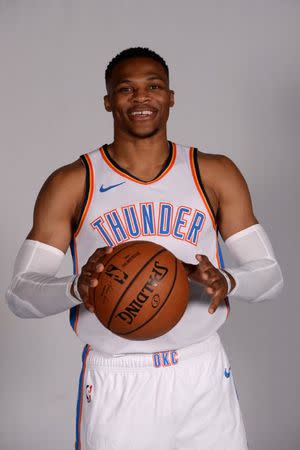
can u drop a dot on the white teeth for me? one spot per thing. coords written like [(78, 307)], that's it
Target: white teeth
[(141, 113)]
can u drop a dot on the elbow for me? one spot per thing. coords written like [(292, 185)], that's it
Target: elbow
[(21, 308), (258, 281), (275, 290)]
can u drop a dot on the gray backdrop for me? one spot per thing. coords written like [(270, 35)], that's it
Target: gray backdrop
[(235, 68)]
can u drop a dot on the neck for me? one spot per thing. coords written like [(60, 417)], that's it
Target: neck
[(130, 152)]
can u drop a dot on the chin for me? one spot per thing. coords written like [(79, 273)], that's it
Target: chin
[(144, 134)]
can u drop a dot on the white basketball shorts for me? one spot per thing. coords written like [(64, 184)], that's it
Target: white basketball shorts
[(171, 400)]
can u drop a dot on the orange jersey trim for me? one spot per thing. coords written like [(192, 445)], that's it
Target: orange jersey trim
[(125, 175)]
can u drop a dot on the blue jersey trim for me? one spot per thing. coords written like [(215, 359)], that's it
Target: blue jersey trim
[(220, 256)]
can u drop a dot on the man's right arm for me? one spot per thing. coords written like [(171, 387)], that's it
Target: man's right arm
[(35, 291)]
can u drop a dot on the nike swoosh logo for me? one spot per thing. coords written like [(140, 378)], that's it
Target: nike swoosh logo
[(227, 373), (104, 189)]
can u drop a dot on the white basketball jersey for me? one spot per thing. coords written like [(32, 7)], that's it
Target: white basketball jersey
[(172, 210)]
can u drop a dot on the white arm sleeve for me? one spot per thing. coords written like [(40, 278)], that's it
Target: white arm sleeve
[(258, 275), (35, 292)]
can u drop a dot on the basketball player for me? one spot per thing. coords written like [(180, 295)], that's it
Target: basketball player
[(175, 391)]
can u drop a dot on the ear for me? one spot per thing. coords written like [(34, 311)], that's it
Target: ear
[(172, 98), (107, 104)]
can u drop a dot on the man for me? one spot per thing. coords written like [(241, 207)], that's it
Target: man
[(142, 186)]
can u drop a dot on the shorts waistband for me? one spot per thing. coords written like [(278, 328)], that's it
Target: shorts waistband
[(164, 358)]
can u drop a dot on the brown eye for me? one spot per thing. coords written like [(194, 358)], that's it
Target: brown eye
[(125, 90)]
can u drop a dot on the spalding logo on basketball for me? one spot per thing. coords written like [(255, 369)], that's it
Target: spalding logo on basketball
[(142, 292)]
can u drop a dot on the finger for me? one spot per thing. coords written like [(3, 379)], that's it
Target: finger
[(84, 292), (91, 280), (213, 306), (93, 266), (214, 287), (217, 298), (98, 256), (87, 279), (90, 301), (99, 267), (89, 307), (99, 253), (86, 272), (204, 262), (208, 278), (85, 284), (210, 275)]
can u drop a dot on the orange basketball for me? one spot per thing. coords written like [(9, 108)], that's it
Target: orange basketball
[(142, 292)]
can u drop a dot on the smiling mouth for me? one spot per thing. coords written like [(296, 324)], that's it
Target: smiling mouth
[(141, 115)]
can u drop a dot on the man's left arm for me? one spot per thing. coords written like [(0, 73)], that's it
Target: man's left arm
[(257, 275)]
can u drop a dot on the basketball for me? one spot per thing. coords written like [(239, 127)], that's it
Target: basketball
[(142, 292)]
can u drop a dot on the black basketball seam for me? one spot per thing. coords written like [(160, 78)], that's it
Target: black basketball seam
[(135, 277), (149, 320)]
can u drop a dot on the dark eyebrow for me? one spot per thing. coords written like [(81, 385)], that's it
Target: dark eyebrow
[(151, 77), (123, 81), (156, 77)]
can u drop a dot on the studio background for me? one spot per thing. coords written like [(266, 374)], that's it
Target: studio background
[(235, 69)]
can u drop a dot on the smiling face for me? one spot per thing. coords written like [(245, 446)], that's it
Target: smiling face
[(139, 98)]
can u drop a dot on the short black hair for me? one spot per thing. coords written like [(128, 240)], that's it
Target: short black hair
[(134, 52)]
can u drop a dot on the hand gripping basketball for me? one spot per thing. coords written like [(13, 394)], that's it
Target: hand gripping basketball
[(88, 278), (213, 280), (142, 290)]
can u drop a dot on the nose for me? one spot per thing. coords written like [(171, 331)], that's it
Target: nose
[(140, 95)]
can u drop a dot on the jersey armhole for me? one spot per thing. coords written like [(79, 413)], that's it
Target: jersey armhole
[(201, 186), (89, 187)]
